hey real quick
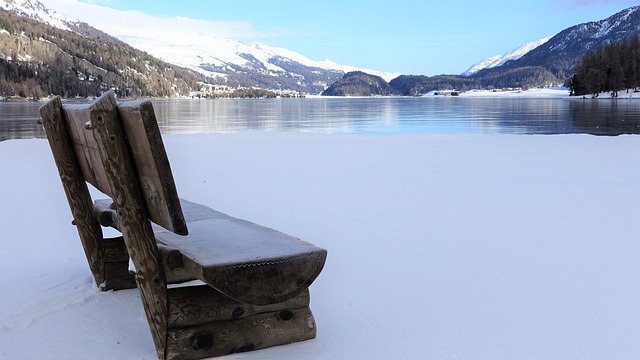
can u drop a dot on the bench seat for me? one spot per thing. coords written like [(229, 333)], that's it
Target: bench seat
[(247, 262)]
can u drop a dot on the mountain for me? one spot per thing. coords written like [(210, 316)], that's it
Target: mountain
[(215, 60), (219, 60), (547, 62), (358, 83), (238, 64), (495, 78), (73, 59), (498, 60), (561, 54)]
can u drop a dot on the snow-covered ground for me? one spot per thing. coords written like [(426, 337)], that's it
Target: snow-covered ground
[(556, 92), (440, 246), (552, 92)]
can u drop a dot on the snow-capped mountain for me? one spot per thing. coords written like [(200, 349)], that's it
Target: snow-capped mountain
[(562, 52), (212, 56), (498, 60), (37, 11), (559, 54), (221, 59)]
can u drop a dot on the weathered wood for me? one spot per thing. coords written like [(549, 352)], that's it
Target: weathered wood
[(86, 147), (251, 333), (74, 185), (152, 165), (172, 265), (115, 250), (259, 278), (147, 152), (117, 276), (135, 227), (105, 214), (245, 261), (197, 305)]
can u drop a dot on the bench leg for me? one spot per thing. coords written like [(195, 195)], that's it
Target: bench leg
[(115, 260)]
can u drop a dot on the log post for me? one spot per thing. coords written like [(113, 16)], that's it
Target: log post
[(134, 224), (74, 186)]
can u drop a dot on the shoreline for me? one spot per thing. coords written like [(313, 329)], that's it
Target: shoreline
[(543, 93)]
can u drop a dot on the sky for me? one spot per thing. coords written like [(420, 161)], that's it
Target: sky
[(408, 37)]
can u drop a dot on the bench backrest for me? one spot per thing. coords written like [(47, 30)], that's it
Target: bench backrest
[(145, 150), (119, 151)]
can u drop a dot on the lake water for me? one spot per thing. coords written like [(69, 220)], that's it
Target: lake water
[(424, 115)]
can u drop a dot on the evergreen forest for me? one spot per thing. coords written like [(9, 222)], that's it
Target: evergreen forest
[(610, 68)]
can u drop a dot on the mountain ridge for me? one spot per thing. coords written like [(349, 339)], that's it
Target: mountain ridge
[(499, 60), (219, 60), (545, 62), (561, 54)]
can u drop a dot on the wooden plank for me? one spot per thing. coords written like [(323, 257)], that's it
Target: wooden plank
[(245, 261), (135, 227), (197, 305), (168, 256), (251, 333), (74, 185), (85, 147), (152, 165)]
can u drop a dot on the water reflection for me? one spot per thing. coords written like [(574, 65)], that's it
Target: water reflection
[(18, 120), (328, 115), (425, 115), (606, 117)]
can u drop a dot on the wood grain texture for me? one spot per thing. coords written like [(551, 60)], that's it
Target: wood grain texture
[(74, 185), (117, 276), (245, 261), (196, 305), (85, 146), (152, 165), (250, 333), (132, 216)]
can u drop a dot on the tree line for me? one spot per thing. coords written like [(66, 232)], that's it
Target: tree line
[(609, 68), (37, 60)]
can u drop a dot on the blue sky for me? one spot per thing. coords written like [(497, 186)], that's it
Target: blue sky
[(410, 37)]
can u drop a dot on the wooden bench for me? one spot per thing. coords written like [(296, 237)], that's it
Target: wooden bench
[(241, 287)]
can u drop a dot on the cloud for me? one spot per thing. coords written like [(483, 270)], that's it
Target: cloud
[(133, 23)]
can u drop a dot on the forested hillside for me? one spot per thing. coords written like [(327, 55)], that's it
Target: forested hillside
[(358, 83), (609, 68), (497, 78), (37, 60)]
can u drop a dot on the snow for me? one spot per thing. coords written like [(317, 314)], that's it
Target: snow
[(498, 60), (35, 10), (182, 41), (440, 246), (552, 92)]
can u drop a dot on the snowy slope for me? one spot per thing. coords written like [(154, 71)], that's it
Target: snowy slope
[(199, 51), (191, 43), (498, 60), (37, 11)]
